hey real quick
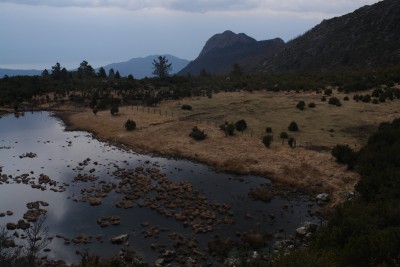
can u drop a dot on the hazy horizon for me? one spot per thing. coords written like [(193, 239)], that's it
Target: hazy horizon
[(37, 34)]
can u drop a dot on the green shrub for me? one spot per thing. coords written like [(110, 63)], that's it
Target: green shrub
[(328, 92), (268, 130), (346, 98), (323, 99), (240, 125), (344, 154), (334, 101), (293, 127), (375, 101), (284, 135), (311, 105), (186, 107), (301, 105), (228, 128), (267, 140), (130, 125), (197, 134), (366, 98)]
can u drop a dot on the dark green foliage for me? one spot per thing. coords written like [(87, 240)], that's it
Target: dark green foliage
[(311, 105), (95, 110), (344, 154), (228, 128), (301, 105), (268, 130), (241, 125), (284, 135), (327, 92), (334, 101), (114, 110), (366, 98), (375, 101), (186, 107), (130, 125), (346, 98), (161, 68), (323, 99), (267, 140), (366, 230), (293, 127), (197, 134)]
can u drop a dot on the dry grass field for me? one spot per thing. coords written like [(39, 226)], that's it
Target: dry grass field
[(309, 167)]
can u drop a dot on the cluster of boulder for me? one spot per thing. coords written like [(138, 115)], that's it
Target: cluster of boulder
[(35, 210), (28, 155)]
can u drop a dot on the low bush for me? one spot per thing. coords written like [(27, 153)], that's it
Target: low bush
[(228, 128), (344, 154), (268, 130), (197, 134), (293, 127), (240, 125), (267, 140), (301, 105), (186, 107), (130, 125), (334, 101), (311, 105)]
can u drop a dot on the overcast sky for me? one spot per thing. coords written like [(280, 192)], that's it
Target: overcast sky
[(38, 33)]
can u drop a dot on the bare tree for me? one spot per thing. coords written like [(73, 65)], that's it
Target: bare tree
[(9, 251), (37, 239)]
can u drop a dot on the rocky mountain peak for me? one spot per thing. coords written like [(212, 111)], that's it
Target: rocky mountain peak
[(224, 40)]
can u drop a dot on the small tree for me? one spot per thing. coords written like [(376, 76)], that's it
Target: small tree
[(95, 110), (130, 125), (241, 125), (268, 130), (37, 239), (161, 68), (293, 127), (197, 134), (267, 140)]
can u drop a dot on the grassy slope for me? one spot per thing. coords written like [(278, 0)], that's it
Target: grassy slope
[(300, 168)]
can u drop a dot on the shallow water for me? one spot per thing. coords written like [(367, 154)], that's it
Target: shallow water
[(61, 155)]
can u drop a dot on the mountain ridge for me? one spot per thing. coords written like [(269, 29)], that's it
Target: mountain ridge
[(365, 38), (223, 50)]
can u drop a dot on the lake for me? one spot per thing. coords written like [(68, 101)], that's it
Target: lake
[(167, 201)]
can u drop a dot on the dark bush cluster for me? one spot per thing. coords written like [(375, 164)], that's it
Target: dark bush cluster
[(241, 125), (197, 134), (334, 101), (293, 127), (228, 128), (311, 105), (186, 107), (114, 110), (344, 154), (301, 105), (267, 140), (130, 125)]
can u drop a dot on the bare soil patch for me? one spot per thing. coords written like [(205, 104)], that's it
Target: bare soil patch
[(308, 167)]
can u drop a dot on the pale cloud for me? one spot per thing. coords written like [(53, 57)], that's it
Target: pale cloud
[(203, 6)]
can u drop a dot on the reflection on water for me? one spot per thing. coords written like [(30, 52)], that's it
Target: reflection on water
[(63, 155)]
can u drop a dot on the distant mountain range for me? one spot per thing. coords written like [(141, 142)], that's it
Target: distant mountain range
[(142, 67), (223, 50), (138, 67), (366, 38), (11, 72)]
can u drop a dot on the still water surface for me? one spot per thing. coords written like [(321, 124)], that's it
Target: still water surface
[(60, 154)]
